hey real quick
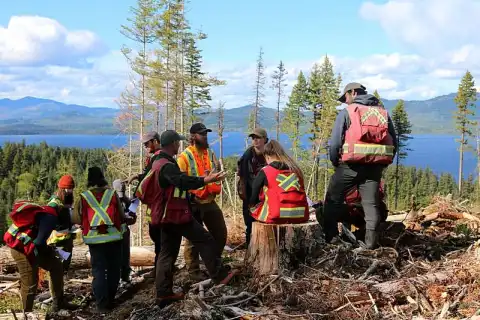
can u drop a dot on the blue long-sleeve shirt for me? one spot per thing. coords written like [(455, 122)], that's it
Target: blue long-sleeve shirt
[(342, 123)]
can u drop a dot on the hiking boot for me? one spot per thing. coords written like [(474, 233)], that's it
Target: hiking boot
[(164, 301), (371, 239), (61, 304), (197, 275), (149, 275)]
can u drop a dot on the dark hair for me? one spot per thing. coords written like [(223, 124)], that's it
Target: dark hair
[(359, 92), (96, 178)]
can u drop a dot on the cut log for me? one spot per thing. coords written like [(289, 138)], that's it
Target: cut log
[(139, 257), (275, 248), (404, 287)]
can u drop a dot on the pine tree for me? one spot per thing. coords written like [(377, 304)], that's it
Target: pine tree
[(293, 119), (198, 82), (324, 91), (142, 32), (465, 100), (258, 91), (279, 77), (403, 129)]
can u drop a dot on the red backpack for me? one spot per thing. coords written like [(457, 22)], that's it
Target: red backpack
[(23, 230), (367, 139)]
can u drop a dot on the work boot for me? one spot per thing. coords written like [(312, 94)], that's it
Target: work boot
[(60, 303), (197, 275), (371, 239), (164, 301)]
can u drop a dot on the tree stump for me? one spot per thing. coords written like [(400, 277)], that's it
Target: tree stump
[(275, 248)]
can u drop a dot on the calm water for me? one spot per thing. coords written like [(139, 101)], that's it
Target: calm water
[(439, 152)]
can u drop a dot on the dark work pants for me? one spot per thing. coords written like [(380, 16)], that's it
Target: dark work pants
[(210, 215), (125, 266), (156, 236), (106, 259), (171, 239), (367, 179), (248, 219)]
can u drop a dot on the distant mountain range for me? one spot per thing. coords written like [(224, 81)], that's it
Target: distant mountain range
[(31, 115)]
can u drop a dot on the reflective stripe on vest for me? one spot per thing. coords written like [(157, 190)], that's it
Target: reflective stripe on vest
[(56, 237), (370, 149), (192, 166), (286, 182), (56, 201), (101, 218), (177, 193), (148, 215), (22, 236), (264, 213), (298, 212), (140, 185)]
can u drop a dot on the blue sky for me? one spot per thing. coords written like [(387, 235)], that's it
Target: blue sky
[(411, 49)]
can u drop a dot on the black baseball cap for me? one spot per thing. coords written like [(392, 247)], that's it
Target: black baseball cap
[(170, 136), (349, 87), (199, 128)]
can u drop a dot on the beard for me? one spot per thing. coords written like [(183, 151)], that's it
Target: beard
[(202, 143)]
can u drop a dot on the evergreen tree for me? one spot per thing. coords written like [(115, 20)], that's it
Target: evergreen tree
[(258, 91), (294, 118), (198, 82), (403, 129), (465, 100), (279, 77), (142, 32)]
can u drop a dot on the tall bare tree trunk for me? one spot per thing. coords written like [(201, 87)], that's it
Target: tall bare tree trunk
[(460, 167)]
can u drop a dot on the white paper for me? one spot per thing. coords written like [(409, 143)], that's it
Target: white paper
[(310, 202), (133, 206), (63, 254)]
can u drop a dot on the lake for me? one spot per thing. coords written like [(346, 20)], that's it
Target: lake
[(438, 152)]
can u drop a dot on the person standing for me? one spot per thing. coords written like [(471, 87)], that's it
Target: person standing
[(199, 160), (62, 200), (125, 269), (151, 142), (100, 213), (248, 167), (362, 145), (165, 190)]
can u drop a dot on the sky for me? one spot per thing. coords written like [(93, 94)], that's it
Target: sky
[(410, 49)]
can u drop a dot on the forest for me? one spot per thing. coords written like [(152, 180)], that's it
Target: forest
[(32, 171)]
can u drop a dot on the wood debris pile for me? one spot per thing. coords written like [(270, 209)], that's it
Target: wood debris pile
[(427, 268)]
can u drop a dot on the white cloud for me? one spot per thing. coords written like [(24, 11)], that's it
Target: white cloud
[(427, 25), (40, 57), (31, 40)]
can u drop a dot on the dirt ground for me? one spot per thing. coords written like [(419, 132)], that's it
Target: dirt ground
[(427, 268)]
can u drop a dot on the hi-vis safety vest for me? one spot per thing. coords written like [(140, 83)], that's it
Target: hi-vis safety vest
[(167, 205), (102, 221), (23, 230), (283, 198), (196, 166), (367, 140), (55, 236)]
